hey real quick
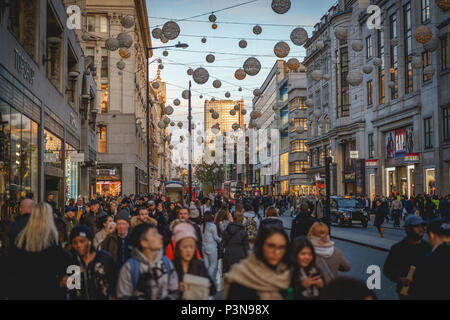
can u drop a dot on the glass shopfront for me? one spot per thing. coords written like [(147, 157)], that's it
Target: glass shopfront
[(109, 182), (54, 169), (19, 154), (71, 175)]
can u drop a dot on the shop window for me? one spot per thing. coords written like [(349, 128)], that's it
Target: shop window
[(53, 153), (298, 167), (104, 70), (72, 79), (102, 139), (426, 58), (54, 50), (299, 146), (430, 181), (71, 174), (446, 123), (105, 96), (444, 57), (284, 164), (369, 92), (24, 24), (426, 14), (428, 133), (299, 122)]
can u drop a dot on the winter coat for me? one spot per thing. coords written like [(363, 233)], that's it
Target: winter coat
[(98, 276), (159, 217), (197, 268), (15, 228), (334, 259), (36, 275), (70, 224), (92, 220), (379, 216), (301, 225), (319, 210), (401, 257), (210, 237), (444, 208), (99, 237), (236, 245), (154, 283), (432, 277), (170, 251)]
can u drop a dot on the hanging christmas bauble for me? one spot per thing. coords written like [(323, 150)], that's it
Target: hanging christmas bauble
[(257, 30), (214, 26), (168, 110), (125, 40), (235, 126), (293, 64), (166, 120), (164, 39), (176, 102), (215, 115), (127, 22), (213, 99), (252, 66), (243, 112), (190, 71), (423, 34), (157, 33), (165, 53), (281, 6), (201, 96), (171, 30), (125, 53), (211, 110), (180, 124), (212, 18), (161, 124), (155, 85), (172, 124), (210, 58), (340, 33), (170, 147), (227, 94), (112, 44), (367, 69), (200, 75), (185, 94), (160, 66), (354, 78), (120, 65), (217, 84), (377, 62), (257, 92), (203, 40), (159, 60), (242, 44), (240, 74), (232, 112), (237, 107), (281, 49), (240, 89), (357, 45), (316, 75), (199, 140), (299, 36)]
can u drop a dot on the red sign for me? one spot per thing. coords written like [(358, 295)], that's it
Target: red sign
[(412, 157), (372, 163)]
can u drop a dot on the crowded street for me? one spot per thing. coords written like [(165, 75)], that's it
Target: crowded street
[(224, 150)]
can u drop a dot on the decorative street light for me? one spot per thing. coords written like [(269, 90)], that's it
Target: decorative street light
[(178, 45)]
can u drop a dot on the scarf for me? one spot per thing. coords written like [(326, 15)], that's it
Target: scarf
[(255, 274), (323, 246)]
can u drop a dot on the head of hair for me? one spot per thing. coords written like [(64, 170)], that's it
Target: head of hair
[(248, 207), (346, 288), (298, 245), (138, 234), (238, 217), (266, 231), (271, 212), (318, 229), (40, 232)]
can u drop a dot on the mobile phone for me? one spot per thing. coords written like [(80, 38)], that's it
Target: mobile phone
[(315, 274)]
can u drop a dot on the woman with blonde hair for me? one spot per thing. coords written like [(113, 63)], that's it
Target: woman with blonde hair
[(37, 262), (329, 260)]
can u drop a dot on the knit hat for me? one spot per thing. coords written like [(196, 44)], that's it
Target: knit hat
[(81, 230), (184, 230), (123, 216)]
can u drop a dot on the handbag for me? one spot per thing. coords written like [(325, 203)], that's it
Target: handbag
[(327, 268)]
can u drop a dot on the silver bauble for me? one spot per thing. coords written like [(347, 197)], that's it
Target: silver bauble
[(112, 44), (200, 75), (217, 84), (299, 36), (171, 30), (252, 66), (168, 110), (125, 40), (210, 58), (281, 6), (242, 44), (176, 102)]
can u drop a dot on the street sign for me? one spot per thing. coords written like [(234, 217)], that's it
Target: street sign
[(354, 154), (76, 157)]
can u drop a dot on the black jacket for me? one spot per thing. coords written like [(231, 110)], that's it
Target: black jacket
[(36, 275), (432, 277), (301, 225), (401, 256), (15, 228), (235, 241)]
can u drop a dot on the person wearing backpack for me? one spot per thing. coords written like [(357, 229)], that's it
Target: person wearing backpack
[(251, 223), (147, 275)]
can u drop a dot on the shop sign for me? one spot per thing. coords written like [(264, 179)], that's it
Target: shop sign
[(76, 157), (49, 157), (399, 142), (106, 172), (23, 67), (411, 157), (354, 154), (372, 163)]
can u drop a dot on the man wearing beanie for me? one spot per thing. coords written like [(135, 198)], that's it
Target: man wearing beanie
[(96, 267), (118, 242)]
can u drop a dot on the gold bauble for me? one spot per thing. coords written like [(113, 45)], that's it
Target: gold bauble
[(124, 53), (423, 34)]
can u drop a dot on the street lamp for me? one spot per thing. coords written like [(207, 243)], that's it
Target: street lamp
[(178, 45)]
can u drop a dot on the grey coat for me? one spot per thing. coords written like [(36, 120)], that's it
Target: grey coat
[(336, 262)]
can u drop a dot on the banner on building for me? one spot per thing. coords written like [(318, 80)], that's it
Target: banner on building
[(399, 142), (411, 157), (371, 163)]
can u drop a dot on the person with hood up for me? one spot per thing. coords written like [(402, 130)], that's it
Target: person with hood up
[(147, 275), (265, 274), (329, 259), (235, 242), (142, 217), (194, 214), (96, 267)]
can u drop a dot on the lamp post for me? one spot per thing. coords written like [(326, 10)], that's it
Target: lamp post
[(178, 45), (190, 146)]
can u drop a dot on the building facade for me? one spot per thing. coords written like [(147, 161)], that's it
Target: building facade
[(387, 134), (47, 98), (122, 111)]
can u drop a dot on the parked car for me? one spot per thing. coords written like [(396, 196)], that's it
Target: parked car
[(345, 211)]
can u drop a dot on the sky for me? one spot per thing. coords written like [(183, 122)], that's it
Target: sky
[(304, 13)]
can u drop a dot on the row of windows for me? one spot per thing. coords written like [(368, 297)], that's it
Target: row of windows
[(299, 146), (298, 167)]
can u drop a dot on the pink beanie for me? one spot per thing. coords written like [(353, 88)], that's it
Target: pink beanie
[(184, 230)]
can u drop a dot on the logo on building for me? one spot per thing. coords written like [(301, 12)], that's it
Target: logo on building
[(74, 20), (374, 21)]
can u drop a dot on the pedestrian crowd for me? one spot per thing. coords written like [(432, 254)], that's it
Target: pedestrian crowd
[(148, 247)]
